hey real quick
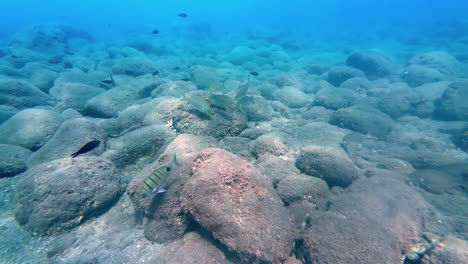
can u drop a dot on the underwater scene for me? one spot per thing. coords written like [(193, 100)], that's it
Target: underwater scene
[(247, 131)]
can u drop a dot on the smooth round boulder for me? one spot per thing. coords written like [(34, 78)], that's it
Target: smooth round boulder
[(134, 66), (363, 119), (73, 95), (329, 164), (453, 103), (335, 98), (238, 205), (291, 97), (57, 196), (69, 138), (137, 144), (371, 62), (416, 75), (302, 187), (7, 112), (12, 160), (30, 128), (21, 94), (339, 74)]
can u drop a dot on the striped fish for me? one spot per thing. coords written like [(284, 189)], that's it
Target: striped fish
[(156, 180)]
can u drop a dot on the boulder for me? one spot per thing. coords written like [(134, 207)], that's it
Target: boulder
[(451, 250), (134, 66), (438, 60), (416, 75), (276, 168), (335, 98), (373, 63), (73, 95), (418, 101), (68, 139), (291, 97), (204, 77), (363, 119), (30, 128), (21, 94), (329, 164), (339, 74), (185, 118), (299, 187), (43, 79), (7, 112), (196, 249), (270, 143), (453, 103), (165, 220), (138, 144), (359, 85), (57, 196), (238, 205), (111, 102), (174, 89), (373, 221), (12, 160), (241, 54)]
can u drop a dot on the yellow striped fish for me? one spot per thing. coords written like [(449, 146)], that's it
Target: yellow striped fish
[(156, 180)]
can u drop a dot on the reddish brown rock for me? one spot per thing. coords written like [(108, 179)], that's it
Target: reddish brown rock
[(238, 205)]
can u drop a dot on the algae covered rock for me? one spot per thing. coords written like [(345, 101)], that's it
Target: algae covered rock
[(371, 62), (137, 144), (339, 74), (12, 160), (73, 95), (165, 220), (363, 119), (30, 128), (335, 98), (21, 94), (238, 205), (57, 196), (69, 138), (330, 164), (372, 222), (453, 103)]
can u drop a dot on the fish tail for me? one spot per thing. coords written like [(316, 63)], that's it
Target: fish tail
[(174, 164)]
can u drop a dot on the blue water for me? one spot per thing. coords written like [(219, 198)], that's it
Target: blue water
[(121, 16), (365, 160)]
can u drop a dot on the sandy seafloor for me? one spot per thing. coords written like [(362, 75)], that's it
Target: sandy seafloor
[(350, 149)]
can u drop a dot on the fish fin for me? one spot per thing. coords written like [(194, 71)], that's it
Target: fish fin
[(174, 164), (74, 154), (159, 190)]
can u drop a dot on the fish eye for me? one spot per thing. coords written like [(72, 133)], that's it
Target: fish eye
[(168, 169)]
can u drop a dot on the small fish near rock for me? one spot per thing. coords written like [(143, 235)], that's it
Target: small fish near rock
[(182, 15), (86, 148), (155, 182), (154, 32), (253, 73)]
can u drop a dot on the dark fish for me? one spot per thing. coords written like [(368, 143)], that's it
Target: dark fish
[(185, 79), (14, 56), (156, 72), (176, 68), (182, 15), (109, 81), (87, 148), (69, 53), (155, 31), (254, 73), (156, 180)]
